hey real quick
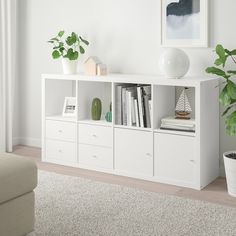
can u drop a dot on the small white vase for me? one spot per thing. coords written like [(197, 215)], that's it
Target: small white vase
[(230, 171), (174, 63), (69, 66)]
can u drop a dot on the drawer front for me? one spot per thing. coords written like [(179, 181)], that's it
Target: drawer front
[(95, 156), (62, 151), (134, 152), (175, 157), (65, 131), (95, 135)]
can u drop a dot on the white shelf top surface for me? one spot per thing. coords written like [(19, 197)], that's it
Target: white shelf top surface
[(132, 78)]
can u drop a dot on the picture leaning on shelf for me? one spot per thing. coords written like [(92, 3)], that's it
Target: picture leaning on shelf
[(69, 108), (133, 105)]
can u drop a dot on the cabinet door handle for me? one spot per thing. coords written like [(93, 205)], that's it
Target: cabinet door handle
[(94, 156), (148, 154), (193, 161), (94, 135)]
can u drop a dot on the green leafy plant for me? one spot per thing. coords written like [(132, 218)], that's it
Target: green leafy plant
[(228, 94), (68, 47)]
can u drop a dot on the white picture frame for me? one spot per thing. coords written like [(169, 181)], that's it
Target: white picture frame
[(172, 38), (69, 107)]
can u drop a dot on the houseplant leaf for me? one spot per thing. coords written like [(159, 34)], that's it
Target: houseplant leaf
[(232, 72), (217, 71), (226, 111), (84, 41), (56, 54), (61, 33), (224, 98), (81, 49), (218, 62), (72, 55), (221, 53), (231, 89), (233, 52), (54, 39), (231, 124)]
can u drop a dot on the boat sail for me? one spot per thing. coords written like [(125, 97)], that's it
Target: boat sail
[(183, 108)]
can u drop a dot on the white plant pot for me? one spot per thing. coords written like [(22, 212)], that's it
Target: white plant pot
[(230, 171), (69, 67)]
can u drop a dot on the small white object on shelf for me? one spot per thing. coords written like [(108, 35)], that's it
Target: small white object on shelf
[(183, 108), (172, 123), (69, 66), (101, 69), (174, 63), (69, 108), (91, 65)]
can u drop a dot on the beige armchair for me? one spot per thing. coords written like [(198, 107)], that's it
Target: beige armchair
[(18, 178)]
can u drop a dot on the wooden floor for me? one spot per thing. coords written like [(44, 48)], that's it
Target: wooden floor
[(216, 192)]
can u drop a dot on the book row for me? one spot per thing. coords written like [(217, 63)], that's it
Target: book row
[(133, 105)]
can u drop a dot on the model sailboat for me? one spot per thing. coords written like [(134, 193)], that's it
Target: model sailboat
[(183, 108)]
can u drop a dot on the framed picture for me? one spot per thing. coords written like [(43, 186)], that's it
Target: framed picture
[(69, 108), (184, 23)]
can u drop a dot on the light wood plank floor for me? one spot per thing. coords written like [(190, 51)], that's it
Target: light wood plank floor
[(216, 192)]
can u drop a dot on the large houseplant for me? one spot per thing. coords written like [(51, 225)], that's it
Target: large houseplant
[(228, 100), (69, 49)]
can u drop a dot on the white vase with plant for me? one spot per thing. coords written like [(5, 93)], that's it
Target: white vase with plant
[(228, 100), (69, 49)]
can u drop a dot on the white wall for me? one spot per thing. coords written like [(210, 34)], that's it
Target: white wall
[(125, 34)]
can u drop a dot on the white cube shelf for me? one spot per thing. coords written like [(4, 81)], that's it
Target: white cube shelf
[(173, 157)]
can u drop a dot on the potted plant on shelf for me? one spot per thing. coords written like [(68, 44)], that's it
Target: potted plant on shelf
[(69, 49), (228, 99)]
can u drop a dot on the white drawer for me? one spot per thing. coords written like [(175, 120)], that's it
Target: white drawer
[(65, 131), (95, 156), (95, 135), (62, 151)]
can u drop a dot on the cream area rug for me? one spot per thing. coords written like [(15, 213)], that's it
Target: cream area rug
[(68, 205)]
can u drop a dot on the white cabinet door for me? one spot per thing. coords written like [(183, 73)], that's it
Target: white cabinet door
[(134, 152), (175, 158)]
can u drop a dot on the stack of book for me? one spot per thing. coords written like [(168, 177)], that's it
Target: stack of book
[(133, 105), (171, 123)]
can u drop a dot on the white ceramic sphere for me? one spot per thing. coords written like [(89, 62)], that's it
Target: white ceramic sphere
[(174, 63)]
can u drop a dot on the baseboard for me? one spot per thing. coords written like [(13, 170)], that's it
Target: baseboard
[(32, 142)]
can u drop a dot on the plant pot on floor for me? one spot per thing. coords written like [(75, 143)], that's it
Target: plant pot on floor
[(69, 66), (230, 171)]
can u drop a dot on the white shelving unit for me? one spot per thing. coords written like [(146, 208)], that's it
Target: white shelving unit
[(173, 157)]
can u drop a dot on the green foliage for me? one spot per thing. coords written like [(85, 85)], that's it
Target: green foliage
[(227, 96), (69, 47)]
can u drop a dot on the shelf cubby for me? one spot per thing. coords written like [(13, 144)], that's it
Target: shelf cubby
[(55, 93), (122, 101), (87, 91), (165, 98)]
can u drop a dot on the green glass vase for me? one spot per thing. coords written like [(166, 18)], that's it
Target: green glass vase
[(96, 109), (108, 116)]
